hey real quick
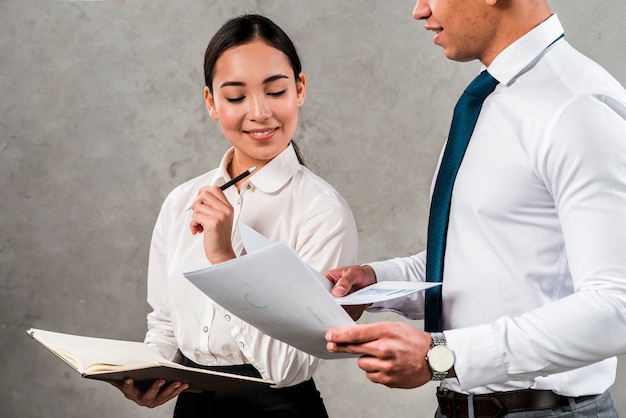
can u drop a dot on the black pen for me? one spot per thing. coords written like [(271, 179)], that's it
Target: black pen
[(235, 180)]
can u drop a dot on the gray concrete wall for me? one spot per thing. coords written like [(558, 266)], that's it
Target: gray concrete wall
[(101, 114)]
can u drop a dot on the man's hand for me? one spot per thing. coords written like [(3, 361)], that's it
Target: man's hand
[(157, 394), (392, 353), (349, 279)]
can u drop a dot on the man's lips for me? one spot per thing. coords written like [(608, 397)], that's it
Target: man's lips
[(433, 27), (436, 30)]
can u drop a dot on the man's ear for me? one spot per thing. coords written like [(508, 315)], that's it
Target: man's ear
[(210, 103)]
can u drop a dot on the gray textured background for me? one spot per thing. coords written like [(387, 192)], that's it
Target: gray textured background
[(101, 114)]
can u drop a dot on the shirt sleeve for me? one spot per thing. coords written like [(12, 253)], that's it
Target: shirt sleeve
[(160, 333), (328, 237), (583, 167)]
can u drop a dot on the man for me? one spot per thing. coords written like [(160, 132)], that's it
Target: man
[(534, 274)]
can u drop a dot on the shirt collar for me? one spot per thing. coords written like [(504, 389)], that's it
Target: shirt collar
[(515, 58), (271, 177)]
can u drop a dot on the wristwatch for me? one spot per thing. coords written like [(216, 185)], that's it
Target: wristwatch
[(440, 357)]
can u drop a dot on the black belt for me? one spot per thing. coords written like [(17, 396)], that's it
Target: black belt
[(240, 369), (497, 404)]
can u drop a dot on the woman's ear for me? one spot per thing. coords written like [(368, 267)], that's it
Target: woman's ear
[(301, 89), (210, 103)]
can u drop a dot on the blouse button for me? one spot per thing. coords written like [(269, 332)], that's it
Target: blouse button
[(239, 201), (227, 317), (248, 186), (205, 329), (242, 345)]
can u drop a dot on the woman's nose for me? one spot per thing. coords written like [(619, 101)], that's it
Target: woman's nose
[(260, 109)]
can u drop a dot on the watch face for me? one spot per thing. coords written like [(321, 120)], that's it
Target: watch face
[(440, 358)]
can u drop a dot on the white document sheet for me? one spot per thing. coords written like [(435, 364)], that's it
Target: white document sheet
[(379, 292), (272, 289)]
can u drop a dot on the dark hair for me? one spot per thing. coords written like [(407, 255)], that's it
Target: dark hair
[(245, 29)]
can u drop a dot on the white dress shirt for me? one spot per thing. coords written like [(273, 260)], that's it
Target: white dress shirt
[(534, 286), (283, 201)]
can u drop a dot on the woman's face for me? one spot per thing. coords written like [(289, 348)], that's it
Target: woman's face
[(256, 100)]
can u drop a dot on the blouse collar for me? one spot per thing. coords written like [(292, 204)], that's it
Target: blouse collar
[(272, 177)]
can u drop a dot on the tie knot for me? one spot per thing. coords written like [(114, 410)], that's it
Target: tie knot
[(482, 86)]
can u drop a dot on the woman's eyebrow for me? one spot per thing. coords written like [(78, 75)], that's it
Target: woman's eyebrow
[(241, 83), (274, 78)]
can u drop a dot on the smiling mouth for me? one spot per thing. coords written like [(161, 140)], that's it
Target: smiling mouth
[(261, 134), (435, 31), (433, 28)]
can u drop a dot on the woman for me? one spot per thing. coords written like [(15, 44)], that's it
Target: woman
[(254, 89)]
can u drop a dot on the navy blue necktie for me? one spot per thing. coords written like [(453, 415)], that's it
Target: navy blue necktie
[(464, 119)]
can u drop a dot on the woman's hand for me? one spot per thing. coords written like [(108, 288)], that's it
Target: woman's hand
[(213, 216), (157, 394)]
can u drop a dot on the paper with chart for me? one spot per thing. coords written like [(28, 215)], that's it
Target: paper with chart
[(272, 289), (378, 292)]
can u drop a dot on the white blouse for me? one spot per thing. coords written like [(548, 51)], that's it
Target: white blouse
[(284, 201)]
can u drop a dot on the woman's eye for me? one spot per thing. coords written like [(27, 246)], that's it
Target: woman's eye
[(276, 93), (235, 99)]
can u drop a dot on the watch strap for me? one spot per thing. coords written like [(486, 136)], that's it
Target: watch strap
[(438, 338)]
